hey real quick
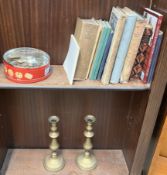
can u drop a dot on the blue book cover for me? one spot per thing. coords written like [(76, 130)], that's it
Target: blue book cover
[(106, 51), (100, 50), (123, 47), (155, 57)]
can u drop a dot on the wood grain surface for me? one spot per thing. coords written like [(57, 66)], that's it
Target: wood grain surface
[(133, 126), (58, 80), (27, 161), (28, 112), (3, 133), (161, 7), (153, 105), (48, 24), (159, 160)]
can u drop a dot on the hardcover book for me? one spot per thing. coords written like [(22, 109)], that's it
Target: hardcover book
[(155, 19), (155, 57), (106, 29), (133, 49), (106, 51), (143, 51), (124, 45), (87, 34), (117, 21)]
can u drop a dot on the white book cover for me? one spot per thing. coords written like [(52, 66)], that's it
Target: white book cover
[(71, 59)]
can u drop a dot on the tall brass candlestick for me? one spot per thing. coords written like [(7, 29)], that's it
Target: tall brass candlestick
[(54, 162), (86, 160)]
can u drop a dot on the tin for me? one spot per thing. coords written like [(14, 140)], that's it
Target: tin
[(26, 65)]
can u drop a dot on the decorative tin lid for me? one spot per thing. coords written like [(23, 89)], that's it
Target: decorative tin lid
[(26, 57)]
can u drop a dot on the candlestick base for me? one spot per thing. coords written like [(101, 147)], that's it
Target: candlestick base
[(54, 164), (86, 162)]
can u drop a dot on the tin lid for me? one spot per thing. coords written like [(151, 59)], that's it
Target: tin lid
[(26, 57)]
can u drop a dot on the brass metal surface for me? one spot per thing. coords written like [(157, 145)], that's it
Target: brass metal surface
[(86, 160), (54, 162)]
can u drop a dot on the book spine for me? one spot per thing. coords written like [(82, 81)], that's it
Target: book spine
[(149, 58), (94, 50), (155, 57), (133, 49), (105, 56), (97, 54), (123, 48), (141, 55), (108, 30), (113, 51), (86, 35)]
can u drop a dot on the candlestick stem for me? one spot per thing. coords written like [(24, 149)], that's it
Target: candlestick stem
[(86, 160), (54, 162)]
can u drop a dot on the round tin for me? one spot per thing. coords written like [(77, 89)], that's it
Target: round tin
[(26, 65)]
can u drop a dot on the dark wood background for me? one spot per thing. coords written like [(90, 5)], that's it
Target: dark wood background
[(47, 24), (28, 112), (3, 132), (156, 134), (119, 118)]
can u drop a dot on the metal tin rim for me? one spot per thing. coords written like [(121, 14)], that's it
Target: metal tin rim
[(5, 56)]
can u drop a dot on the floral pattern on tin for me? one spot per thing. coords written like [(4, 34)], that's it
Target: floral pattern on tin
[(19, 75), (28, 76), (10, 72)]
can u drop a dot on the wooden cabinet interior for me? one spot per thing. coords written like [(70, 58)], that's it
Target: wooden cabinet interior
[(47, 24), (119, 117)]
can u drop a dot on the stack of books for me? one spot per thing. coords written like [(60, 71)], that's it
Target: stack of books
[(124, 48)]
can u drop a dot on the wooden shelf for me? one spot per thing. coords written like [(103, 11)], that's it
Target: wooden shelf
[(30, 161), (58, 80)]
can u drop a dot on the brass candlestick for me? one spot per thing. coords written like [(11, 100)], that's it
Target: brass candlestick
[(86, 160), (54, 162)]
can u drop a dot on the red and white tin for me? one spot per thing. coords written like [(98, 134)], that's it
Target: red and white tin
[(26, 65)]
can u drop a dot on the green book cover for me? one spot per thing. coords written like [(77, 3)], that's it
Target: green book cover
[(106, 29)]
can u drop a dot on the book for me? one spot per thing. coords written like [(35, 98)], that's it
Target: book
[(155, 57), (124, 45), (117, 21), (106, 51), (71, 59), (87, 33), (143, 51), (106, 29), (133, 48), (155, 19)]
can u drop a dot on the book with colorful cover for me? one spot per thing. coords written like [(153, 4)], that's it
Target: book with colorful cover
[(100, 50), (106, 51), (155, 57), (143, 51), (155, 19), (124, 45), (117, 21), (87, 33), (133, 49)]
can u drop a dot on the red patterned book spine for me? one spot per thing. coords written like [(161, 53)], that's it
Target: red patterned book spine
[(148, 60), (143, 51)]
